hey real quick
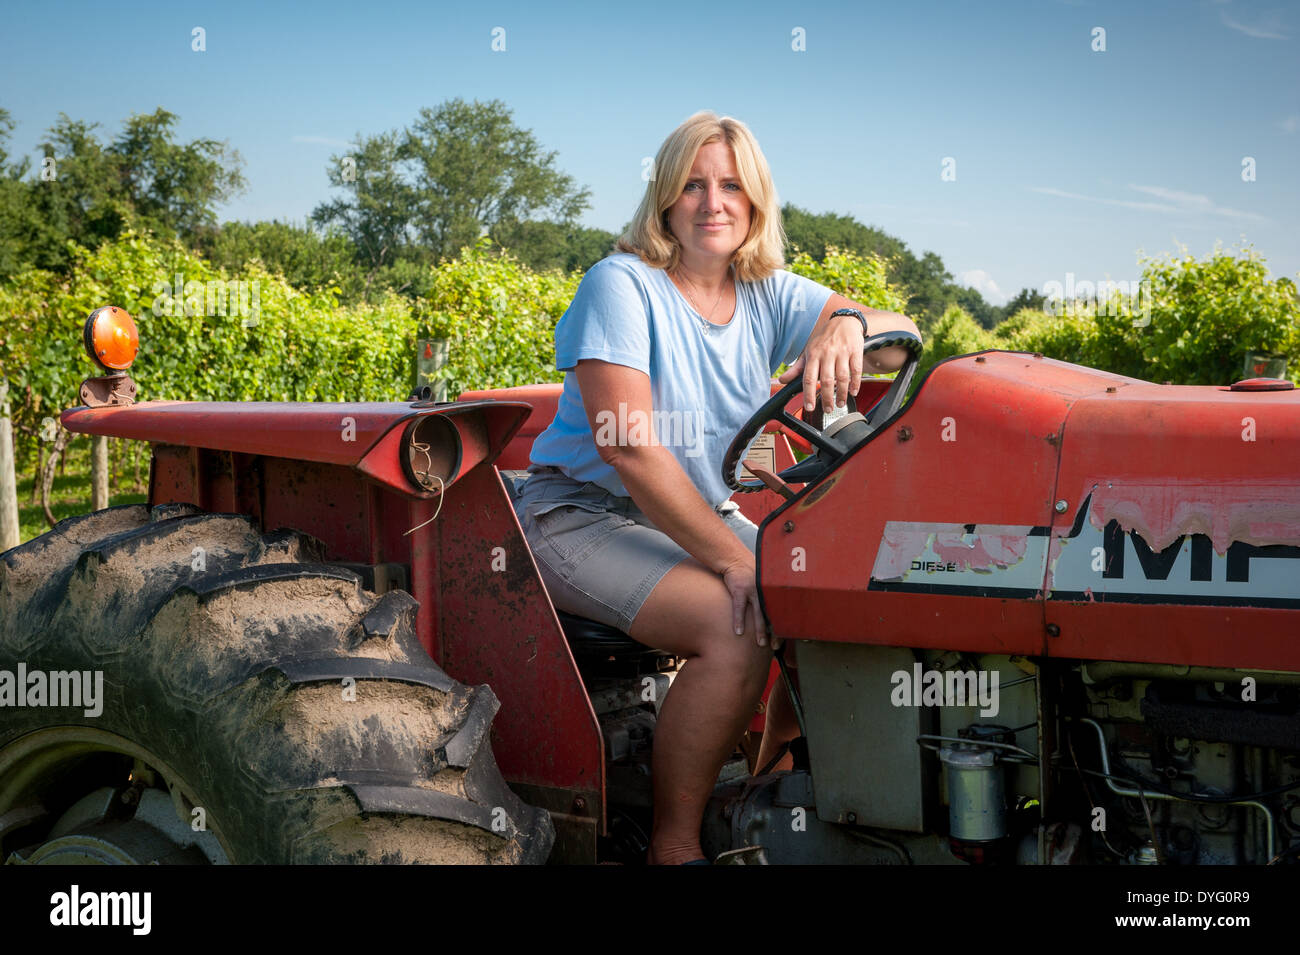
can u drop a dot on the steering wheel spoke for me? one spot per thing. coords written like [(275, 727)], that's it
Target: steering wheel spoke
[(809, 433)]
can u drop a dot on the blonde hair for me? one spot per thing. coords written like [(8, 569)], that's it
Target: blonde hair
[(647, 235)]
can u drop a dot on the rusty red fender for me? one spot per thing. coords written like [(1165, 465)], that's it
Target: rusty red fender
[(365, 435)]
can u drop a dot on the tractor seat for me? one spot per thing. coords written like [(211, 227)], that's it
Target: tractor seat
[(598, 642), (595, 645)]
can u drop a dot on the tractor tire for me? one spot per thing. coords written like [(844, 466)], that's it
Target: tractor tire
[(290, 711)]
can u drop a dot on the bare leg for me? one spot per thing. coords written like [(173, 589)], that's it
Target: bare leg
[(711, 700)]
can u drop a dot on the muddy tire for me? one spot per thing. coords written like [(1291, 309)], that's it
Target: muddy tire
[(248, 680)]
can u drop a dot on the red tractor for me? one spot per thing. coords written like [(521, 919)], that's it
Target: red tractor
[(1043, 614)]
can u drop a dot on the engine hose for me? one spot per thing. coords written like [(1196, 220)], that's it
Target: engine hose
[(1146, 793)]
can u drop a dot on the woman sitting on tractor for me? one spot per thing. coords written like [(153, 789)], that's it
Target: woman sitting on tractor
[(670, 345)]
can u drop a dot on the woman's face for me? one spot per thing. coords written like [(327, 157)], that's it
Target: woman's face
[(711, 216)]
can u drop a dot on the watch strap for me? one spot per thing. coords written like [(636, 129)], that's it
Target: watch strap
[(857, 314)]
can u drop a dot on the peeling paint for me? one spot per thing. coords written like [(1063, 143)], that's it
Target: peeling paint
[(902, 542), (994, 547), (1147, 562), (1160, 514), (1054, 548)]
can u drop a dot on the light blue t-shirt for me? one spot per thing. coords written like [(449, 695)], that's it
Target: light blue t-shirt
[(705, 380)]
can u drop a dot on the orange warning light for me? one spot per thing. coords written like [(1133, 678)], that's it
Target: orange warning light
[(111, 339)]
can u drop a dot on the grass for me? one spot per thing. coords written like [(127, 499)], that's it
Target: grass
[(70, 492)]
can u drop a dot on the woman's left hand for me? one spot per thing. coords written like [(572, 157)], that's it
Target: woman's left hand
[(831, 363)]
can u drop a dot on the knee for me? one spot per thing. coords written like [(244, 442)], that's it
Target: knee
[(744, 657)]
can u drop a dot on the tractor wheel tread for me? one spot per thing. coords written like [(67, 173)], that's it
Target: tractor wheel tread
[(245, 578), (335, 669), (475, 727), (296, 707)]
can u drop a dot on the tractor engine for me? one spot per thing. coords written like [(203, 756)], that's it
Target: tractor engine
[(1188, 767), (925, 757)]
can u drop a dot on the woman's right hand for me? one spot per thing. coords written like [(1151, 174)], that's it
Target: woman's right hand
[(741, 580)]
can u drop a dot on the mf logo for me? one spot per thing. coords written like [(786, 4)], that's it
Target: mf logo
[(1201, 564)]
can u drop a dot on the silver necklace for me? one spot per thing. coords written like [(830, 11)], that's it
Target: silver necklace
[(708, 325)]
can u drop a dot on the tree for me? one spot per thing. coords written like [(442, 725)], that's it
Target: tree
[(813, 233), (985, 315), (15, 207), (554, 245), (76, 195), (474, 169), (377, 214), (417, 196), (308, 259), (929, 285), (6, 130), (90, 193), (172, 188), (1025, 298)]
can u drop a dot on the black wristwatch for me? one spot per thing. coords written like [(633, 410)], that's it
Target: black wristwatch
[(852, 311)]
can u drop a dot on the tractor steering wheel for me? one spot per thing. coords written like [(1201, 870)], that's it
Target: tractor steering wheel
[(844, 434)]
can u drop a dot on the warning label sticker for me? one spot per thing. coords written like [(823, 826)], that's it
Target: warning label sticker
[(763, 453)]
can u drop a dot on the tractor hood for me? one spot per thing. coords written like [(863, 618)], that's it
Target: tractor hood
[(1028, 506), (1168, 460)]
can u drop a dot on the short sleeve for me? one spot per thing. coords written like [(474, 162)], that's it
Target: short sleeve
[(608, 319), (798, 301)]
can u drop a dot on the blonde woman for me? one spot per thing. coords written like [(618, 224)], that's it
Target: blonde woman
[(669, 347)]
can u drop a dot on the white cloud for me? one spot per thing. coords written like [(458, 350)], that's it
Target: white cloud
[(1266, 30), (1290, 124), (983, 283), (1184, 198), (1143, 206), (1191, 202), (1175, 202)]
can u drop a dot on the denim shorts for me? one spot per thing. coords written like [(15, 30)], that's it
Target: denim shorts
[(598, 553)]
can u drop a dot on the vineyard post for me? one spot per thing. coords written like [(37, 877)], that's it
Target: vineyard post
[(430, 360), (9, 529), (98, 472)]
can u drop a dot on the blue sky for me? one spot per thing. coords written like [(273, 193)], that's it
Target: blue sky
[(1068, 160)]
